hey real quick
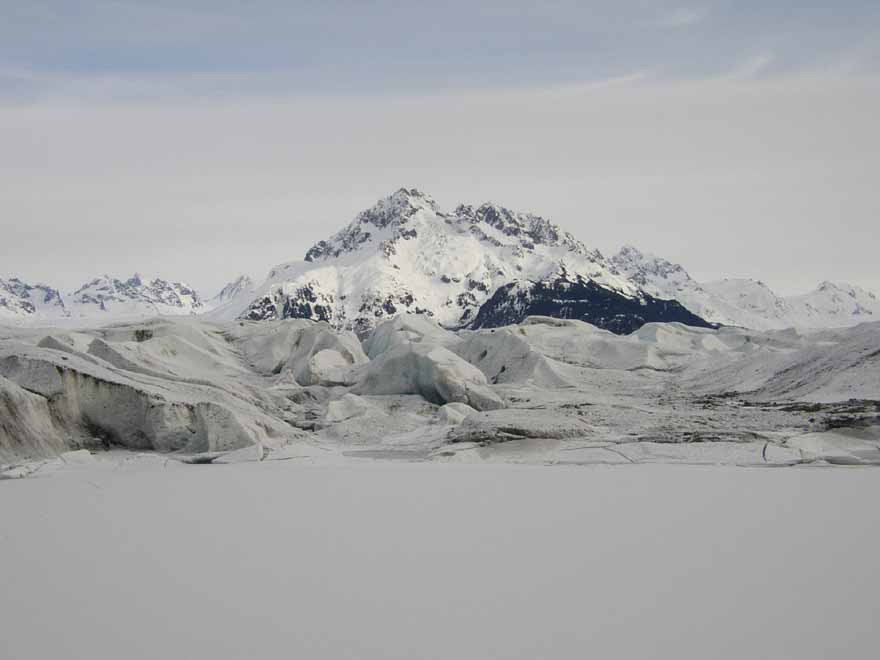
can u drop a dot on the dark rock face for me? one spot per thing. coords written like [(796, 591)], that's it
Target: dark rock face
[(306, 302), (262, 309), (579, 299)]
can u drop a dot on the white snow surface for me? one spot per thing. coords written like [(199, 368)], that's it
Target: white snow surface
[(232, 299), (125, 556)]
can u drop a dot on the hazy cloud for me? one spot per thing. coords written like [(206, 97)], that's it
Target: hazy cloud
[(683, 17), (751, 66), (728, 177), (198, 139)]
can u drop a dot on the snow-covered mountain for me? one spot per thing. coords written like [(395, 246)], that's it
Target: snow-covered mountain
[(833, 301), (746, 302), (135, 296), (407, 255), (243, 284), (21, 300), (103, 297), (472, 267), (233, 298)]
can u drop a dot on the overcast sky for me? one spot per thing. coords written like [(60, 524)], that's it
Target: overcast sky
[(200, 140)]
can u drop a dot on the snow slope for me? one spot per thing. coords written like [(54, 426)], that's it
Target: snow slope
[(833, 301), (242, 286)]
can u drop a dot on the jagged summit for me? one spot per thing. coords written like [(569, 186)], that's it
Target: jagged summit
[(241, 284), (385, 221), (19, 299), (647, 269), (135, 296), (405, 254), (232, 299)]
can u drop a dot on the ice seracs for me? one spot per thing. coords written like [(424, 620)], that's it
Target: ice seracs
[(545, 390), (433, 372)]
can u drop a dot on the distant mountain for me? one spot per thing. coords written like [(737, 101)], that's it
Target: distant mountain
[(472, 267), (103, 297), (749, 303), (21, 300), (135, 296), (242, 285), (232, 300), (831, 302), (407, 255)]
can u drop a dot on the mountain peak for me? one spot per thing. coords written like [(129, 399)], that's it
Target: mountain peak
[(397, 208), (243, 284), (136, 295), (841, 287), (527, 229), (405, 254), (649, 271), (20, 299), (380, 222)]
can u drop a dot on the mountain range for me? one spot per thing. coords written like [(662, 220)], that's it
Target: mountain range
[(103, 296), (473, 267)]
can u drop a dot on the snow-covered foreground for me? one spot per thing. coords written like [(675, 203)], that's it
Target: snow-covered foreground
[(130, 556)]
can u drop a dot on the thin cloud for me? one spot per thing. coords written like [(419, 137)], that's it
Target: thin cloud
[(751, 67), (684, 17)]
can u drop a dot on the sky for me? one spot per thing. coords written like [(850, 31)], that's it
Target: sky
[(200, 140)]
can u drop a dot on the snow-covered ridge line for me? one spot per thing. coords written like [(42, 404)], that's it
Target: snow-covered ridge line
[(747, 302), (405, 254), (111, 298), (466, 267)]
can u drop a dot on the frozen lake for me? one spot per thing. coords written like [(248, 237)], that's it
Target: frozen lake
[(138, 558)]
